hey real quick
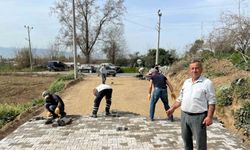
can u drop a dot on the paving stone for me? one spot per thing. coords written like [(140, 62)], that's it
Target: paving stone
[(100, 133)]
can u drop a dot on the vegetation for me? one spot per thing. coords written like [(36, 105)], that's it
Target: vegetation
[(242, 118), (224, 96), (92, 19), (8, 112), (129, 69)]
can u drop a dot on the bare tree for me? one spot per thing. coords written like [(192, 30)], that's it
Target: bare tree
[(92, 17), (114, 43), (234, 33)]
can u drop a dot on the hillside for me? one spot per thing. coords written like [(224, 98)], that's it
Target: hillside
[(221, 72)]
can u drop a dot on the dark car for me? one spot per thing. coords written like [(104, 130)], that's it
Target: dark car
[(56, 66)]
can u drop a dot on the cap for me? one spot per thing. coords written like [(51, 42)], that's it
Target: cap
[(45, 93)]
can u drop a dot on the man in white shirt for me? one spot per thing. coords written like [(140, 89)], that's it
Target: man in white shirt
[(197, 101), (99, 92), (103, 72)]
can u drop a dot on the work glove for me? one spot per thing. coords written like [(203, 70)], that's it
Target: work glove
[(57, 111), (149, 97), (173, 96)]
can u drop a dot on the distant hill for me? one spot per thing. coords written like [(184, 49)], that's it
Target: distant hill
[(10, 52), (7, 52)]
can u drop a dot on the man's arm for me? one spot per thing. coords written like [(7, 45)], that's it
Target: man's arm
[(209, 119), (171, 89), (94, 92), (150, 89)]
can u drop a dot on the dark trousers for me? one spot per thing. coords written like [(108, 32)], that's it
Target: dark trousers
[(51, 108), (191, 126), (108, 95), (104, 76)]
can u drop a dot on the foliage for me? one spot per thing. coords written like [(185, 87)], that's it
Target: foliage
[(59, 83), (166, 57), (206, 55), (198, 44), (241, 87), (7, 67), (36, 102), (129, 69), (224, 96), (56, 86), (66, 77), (242, 118), (8, 112), (215, 73)]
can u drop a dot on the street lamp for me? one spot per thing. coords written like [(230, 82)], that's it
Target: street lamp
[(30, 53), (158, 42)]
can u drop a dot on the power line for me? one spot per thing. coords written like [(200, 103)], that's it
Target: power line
[(133, 22)]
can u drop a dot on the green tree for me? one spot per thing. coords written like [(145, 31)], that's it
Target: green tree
[(166, 57)]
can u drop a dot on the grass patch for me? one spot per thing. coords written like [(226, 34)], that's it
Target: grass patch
[(8, 112)]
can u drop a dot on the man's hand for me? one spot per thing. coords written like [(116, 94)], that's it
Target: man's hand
[(170, 112), (207, 121)]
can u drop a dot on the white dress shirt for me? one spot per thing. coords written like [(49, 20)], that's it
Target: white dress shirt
[(196, 96)]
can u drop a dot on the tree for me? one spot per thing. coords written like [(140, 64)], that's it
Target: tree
[(165, 57), (91, 20), (114, 43), (22, 58), (198, 44), (234, 33)]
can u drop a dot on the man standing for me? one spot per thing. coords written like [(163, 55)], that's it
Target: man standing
[(99, 92), (160, 84), (197, 101), (103, 72)]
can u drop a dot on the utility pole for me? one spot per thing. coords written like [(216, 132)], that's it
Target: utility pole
[(74, 40), (30, 53), (158, 42)]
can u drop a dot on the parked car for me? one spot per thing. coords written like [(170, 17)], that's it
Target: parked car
[(112, 66), (56, 66), (86, 68), (110, 71)]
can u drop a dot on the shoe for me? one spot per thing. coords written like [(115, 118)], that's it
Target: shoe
[(171, 118), (49, 121), (93, 116), (55, 116), (107, 114), (151, 119)]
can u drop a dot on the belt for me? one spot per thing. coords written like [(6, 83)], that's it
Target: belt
[(193, 114)]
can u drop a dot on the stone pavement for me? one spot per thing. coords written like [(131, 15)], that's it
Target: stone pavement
[(137, 133)]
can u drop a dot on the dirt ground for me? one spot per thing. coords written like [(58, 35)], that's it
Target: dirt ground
[(129, 94), (21, 89)]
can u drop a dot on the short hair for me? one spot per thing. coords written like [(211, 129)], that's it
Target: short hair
[(198, 61)]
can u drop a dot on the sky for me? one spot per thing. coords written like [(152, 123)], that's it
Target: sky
[(182, 22)]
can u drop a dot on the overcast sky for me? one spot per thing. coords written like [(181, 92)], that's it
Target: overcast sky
[(182, 22)]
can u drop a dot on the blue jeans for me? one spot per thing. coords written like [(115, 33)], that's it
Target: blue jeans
[(158, 93)]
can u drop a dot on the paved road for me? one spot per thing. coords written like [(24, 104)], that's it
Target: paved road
[(101, 133)]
